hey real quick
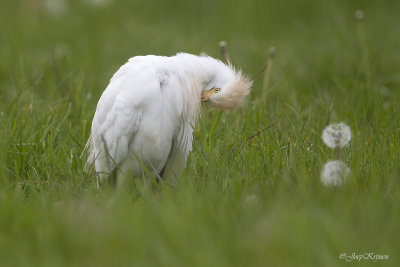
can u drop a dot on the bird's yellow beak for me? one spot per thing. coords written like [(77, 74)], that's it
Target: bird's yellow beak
[(205, 95)]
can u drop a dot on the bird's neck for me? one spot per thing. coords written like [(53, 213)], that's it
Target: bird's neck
[(196, 73), (202, 70)]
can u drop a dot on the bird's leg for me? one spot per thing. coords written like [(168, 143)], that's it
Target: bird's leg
[(161, 174), (112, 179)]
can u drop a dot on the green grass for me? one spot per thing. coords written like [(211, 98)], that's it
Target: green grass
[(240, 202)]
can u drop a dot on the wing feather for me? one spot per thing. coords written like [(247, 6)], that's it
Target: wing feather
[(118, 116), (120, 127), (114, 135)]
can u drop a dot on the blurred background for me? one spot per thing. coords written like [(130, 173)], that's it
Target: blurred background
[(92, 38)]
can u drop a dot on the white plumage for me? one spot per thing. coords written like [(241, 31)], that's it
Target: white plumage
[(149, 108)]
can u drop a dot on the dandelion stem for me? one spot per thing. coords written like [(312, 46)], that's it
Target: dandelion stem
[(224, 51), (338, 152), (363, 46), (267, 74)]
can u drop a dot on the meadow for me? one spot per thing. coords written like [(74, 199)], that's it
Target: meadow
[(251, 193)]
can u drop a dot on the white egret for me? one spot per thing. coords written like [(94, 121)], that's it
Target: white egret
[(145, 116)]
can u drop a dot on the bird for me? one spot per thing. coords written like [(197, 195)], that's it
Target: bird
[(145, 117)]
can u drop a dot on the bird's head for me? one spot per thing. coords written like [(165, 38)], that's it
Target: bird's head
[(226, 88)]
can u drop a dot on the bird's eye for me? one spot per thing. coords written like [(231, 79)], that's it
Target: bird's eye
[(217, 90)]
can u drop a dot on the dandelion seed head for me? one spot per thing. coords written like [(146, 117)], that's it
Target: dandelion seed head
[(62, 50), (98, 3), (223, 43), (359, 14), (336, 135), (334, 173), (272, 51), (250, 199), (56, 8)]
